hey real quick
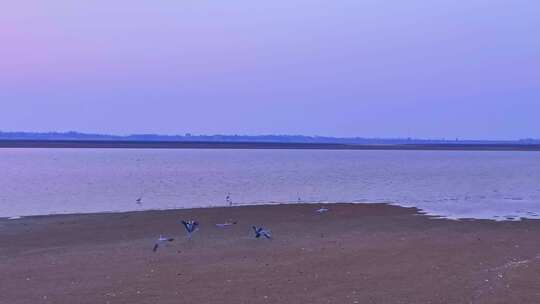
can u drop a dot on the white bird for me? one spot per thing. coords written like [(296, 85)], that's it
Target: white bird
[(225, 224), (160, 240), (322, 210)]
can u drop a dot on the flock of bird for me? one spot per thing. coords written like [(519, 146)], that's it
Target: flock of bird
[(192, 226)]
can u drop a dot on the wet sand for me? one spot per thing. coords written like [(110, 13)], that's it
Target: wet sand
[(371, 253)]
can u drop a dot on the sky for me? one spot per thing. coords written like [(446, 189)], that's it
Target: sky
[(368, 68)]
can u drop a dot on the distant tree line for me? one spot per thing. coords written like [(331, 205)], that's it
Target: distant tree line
[(246, 138)]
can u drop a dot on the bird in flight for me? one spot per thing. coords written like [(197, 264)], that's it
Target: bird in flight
[(161, 239), (322, 210), (191, 226), (260, 231), (226, 224)]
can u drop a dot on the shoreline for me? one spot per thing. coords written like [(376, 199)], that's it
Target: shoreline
[(268, 204), (111, 144), (368, 253), (496, 218)]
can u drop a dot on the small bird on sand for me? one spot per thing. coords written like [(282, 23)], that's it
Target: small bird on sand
[(191, 226), (160, 240), (322, 210), (261, 231), (228, 199)]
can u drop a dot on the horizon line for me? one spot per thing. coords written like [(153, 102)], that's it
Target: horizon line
[(188, 135)]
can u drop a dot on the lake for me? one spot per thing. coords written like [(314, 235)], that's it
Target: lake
[(453, 184)]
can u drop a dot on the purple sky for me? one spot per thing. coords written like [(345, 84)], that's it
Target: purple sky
[(420, 68)]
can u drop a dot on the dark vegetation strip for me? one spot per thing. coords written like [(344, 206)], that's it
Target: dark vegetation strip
[(255, 145)]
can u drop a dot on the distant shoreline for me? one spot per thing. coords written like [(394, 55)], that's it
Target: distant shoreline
[(109, 144)]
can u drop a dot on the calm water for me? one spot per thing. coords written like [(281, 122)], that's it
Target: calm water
[(451, 184)]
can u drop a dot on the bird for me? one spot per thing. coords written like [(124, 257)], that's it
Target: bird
[(322, 210), (261, 231), (139, 201), (160, 240), (191, 226), (228, 199), (225, 224)]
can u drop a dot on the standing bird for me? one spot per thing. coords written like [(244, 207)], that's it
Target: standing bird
[(160, 240), (191, 226), (261, 231), (228, 199)]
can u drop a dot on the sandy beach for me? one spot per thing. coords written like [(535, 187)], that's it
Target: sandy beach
[(364, 253)]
